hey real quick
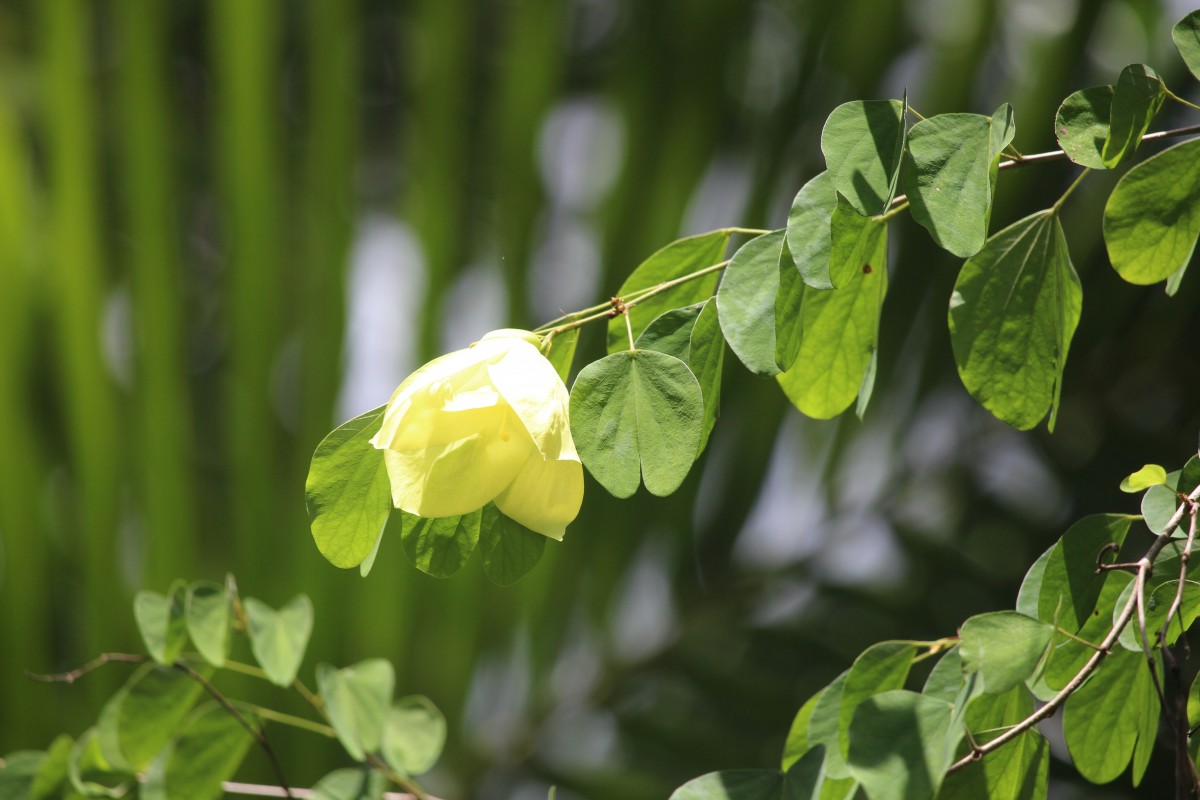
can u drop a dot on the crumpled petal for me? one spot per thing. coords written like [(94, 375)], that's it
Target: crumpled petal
[(531, 386), (462, 475), (545, 496)]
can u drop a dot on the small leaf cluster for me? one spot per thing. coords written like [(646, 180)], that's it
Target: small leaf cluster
[(968, 730), (169, 733)]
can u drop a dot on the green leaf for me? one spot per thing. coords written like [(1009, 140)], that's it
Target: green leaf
[(1017, 771), (677, 259), (357, 699), (18, 773), (347, 491), (879, 668), (1081, 125), (808, 230), (364, 568), (693, 335), (1012, 315), (1070, 585), (901, 743), (278, 639), (839, 336), (788, 300), (1144, 478), (1159, 503), (439, 546), (208, 610), (509, 549), (351, 784), (798, 743), (862, 141), (1158, 602), (823, 725), (1186, 35), (1103, 719), (733, 784), (562, 352), (637, 415), (207, 753), (139, 720), (746, 302), (413, 735), (852, 241), (946, 678), (1067, 656), (91, 774), (51, 774), (162, 622), (1030, 592), (1004, 647), (1152, 217), (1137, 97), (951, 176)]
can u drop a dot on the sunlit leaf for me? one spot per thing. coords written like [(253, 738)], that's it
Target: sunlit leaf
[(140, 719), (946, 678), (901, 743), (1152, 217), (278, 639), (208, 613), (747, 303), (208, 752), (1144, 478), (862, 142), (357, 699), (951, 176), (1070, 585), (414, 734), (162, 622), (637, 416), (1186, 35), (808, 228), (562, 352), (1004, 647), (1012, 315), (879, 668), (1017, 771), (347, 491), (1081, 125), (677, 259), (1137, 97), (1102, 720)]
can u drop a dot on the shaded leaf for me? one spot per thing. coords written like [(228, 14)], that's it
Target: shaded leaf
[(351, 784), (439, 546), (1081, 125), (509, 549), (278, 639), (347, 491), (209, 606), (414, 734), (162, 622), (562, 352), (1137, 97), (1102, 720), (879, 668), (1186, 35), (951, 176), (140, 719), (747, 297), (901, 743), (946, 678), (1152, 217), (207, 753), (1012, 315), (637, 415), (1070, 585), (1067, 655), (677, 259), (808, 230), (1030, 592)]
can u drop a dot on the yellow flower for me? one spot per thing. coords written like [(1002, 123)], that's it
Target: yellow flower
[(484, 424)]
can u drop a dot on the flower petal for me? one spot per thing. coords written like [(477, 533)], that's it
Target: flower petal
[(459, 476), (530, 385), (545, 496)]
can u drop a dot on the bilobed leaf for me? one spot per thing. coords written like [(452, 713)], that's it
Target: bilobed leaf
[(951, 176), (1144, 478), (562, 352), (413, 735), (140, 719), (509, 549), (1137, 97), (880, 668), (694, 336), (1158, 602), (1186, 35), (207, 753), (162, 622), (357, 699), (1152, 217), (637, 415), (1070, 585), (1081, 125), (746, 301), (347, 491), (677, 259), (1012, 315), (1159, 503), (278, 639), (351, 784), (439, 546), (901, 743), (1102, 720), (862, 141), (208, 610), (839, 336), (1004, 647), (808, 227)]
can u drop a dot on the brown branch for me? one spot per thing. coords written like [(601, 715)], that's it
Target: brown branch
[(95, 663), (267, 790), (1144, 565)]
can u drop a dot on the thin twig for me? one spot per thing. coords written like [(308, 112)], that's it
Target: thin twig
[(267, 790), (1177, 602), (1139, 591), (1144, 565), (258, 734), (95, 663)]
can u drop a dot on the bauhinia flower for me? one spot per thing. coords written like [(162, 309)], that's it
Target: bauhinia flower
[(485, 424)]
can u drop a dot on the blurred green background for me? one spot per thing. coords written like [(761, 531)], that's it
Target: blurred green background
[(227, 226)]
